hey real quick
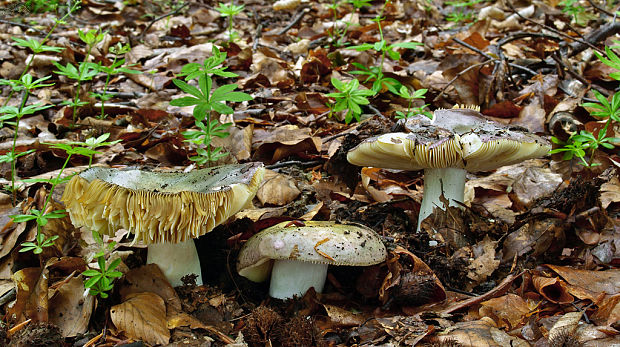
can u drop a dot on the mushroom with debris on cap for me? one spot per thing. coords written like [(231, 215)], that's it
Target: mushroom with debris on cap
[(297, 254), (447, 146), (165, 210)]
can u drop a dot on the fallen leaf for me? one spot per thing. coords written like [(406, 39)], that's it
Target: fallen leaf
[(70, 309), (277, 189), (507, 311), (142, 316)]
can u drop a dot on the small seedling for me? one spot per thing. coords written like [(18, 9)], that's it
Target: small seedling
[(230, 10), (205, 98), (350, 97), (114, 69), (412, 111), (101, 280)]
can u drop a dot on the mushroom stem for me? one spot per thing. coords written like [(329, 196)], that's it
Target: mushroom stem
[(294, 277), (175, 260), (453, 181)]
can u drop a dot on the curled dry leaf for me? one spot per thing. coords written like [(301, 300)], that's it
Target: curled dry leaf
[(586, 284), (278, 143), (149, 278), (552, 289), (482, 332), (142, 316)]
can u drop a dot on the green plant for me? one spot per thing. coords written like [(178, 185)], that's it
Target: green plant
[(41, 241), (578, 13), (459, 16), (585, 143), (349, 98), (337, 33), (85, 71), (12, 115), (230, 10), (390, 50), (39, 46), (412, 111), (206, 98), (115, 68), (43, 215), (40, 6), (101, 280)]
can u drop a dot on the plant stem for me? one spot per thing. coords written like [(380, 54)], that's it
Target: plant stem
[(105, 89), (55, 183), (14, 161)]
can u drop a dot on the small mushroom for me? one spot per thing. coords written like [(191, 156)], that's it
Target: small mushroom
[(447, 146), (165, 210), (297, 256)]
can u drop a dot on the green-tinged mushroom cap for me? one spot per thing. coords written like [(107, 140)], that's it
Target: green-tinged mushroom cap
[(452, 142), (313, 244), (164, 208)]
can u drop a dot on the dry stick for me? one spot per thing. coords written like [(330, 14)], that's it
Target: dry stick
[(595, 36), (259, 30), (553, 30), (458, 75), (488, 56), (160, 18), (499, 290), (523, 34), (302, 12), (94, 340), (600, 9), (18, 327)]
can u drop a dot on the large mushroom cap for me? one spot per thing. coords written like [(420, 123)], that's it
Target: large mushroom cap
[(160, 206), (460, 138), (315, 241)]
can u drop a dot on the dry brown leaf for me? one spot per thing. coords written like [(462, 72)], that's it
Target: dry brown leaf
[(507, 311), (484, 262), (342, 317), (552, 289), (69, 309), (282, 141), (608, 311), (610, 192), (149, 278), (587, 284), (142, 316), (31, 301), (482, 332), (277, 189)]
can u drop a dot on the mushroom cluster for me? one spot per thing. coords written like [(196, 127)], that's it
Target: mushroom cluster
[(297, 255), (165, 210), (447, 146)]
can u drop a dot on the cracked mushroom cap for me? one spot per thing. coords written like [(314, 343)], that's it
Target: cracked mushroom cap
[(315, 241), (160, 206), (459, 137)]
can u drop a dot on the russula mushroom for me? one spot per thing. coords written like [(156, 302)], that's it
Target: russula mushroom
[(164, 210), (447, 146), (297, 254)]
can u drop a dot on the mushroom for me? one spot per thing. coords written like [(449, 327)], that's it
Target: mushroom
[(164, 210), (297, 254), (447, 146)]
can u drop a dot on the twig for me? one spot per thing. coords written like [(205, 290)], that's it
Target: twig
[(499, 290), (302, 12), (333, 137), (550, 28), (18, 327), (259, 30), (522, 35), (600, 9), (488, 56), (458, 75), (172, 13), (94, 340), (294, 162), (375, 111), (595, 36), (24, 26)]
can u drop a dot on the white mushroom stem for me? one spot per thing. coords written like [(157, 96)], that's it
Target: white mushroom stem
[(295, 277), (175, 260), (453, 181)]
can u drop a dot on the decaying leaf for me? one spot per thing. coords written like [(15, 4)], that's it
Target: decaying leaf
[(142, 316), (70, 309)]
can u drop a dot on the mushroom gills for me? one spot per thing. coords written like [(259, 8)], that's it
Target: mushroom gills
[(293, 277), (175, 260)]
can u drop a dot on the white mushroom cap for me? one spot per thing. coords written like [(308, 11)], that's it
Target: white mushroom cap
[(460, 138), (315, 242), (160, 206)]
